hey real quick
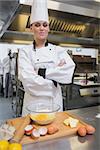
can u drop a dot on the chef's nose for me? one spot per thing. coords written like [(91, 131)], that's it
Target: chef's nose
[(41, 26)]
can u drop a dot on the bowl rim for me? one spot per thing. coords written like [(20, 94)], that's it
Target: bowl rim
[(52, 111)]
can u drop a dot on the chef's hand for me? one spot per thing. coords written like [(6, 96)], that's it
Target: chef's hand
[(62, 62)]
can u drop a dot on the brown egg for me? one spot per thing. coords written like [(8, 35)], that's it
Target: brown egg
[(52, 129), (90, 129), (81, 131)]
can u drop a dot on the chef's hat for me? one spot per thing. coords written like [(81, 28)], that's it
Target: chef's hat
[(39, 11)]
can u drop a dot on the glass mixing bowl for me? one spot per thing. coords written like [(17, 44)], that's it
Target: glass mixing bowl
[(42, 113)]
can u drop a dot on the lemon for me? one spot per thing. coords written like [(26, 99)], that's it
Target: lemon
[(15, 146), (4, 145)]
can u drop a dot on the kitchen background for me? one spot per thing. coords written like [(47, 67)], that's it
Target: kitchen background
[(74, 25)]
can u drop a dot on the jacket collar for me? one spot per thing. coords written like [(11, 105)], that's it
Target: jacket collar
[(34, 45)]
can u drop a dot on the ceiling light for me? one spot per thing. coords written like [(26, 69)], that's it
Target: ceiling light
[(97, 1), (22, 42)]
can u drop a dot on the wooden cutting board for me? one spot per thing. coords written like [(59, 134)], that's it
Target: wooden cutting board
[(63, 129)]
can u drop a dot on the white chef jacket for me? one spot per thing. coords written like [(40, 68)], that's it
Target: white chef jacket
[(35, 86)]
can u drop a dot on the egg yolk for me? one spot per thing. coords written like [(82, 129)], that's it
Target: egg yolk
[(41, 117)]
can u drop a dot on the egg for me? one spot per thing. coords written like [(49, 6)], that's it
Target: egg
[(52, 129), (90, 129), (28, 129), (42, 130), (35, 134), (42, 117), (81, 131)]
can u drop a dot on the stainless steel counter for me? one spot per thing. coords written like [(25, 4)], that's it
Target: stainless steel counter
[(74, 142)]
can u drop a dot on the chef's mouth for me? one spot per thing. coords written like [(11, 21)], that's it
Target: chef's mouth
[(42, 33)]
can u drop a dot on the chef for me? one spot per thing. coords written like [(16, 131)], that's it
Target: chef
[(43, 66)]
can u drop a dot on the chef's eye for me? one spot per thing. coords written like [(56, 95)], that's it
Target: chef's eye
[(37, 24), (45, 24)]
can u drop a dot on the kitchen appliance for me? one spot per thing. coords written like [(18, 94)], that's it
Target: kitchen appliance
[(92, 90)]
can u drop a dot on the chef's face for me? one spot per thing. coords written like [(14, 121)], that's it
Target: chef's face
[(40, 30)]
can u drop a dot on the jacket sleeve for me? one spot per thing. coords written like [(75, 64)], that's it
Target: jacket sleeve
[(62, 74), (32, 82)]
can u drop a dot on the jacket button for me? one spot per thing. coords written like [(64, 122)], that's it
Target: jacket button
[(37, 59)]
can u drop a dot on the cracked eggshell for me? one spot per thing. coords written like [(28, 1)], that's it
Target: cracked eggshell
[(42, 130), (28, 129), (35, 133)]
